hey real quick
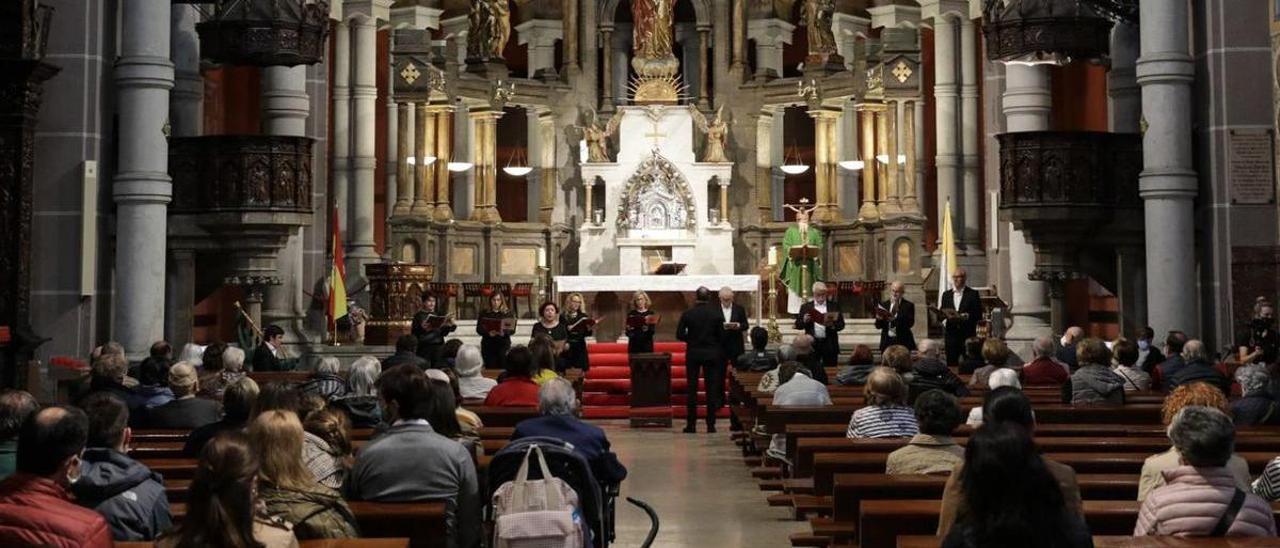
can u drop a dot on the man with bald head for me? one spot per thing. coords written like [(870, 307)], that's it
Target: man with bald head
[(895, 318), (963, 307), (735, 325)]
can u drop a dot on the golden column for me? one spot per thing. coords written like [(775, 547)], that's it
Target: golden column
[(764, 165), (404, 170), (486, 165), (444, 153), (867, 140), (888, 132), (426, 133), (547, 179), (570, 12), (825, 158), (606, 68), (909, 201)]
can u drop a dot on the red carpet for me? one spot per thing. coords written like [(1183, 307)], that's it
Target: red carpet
[(606, 392)]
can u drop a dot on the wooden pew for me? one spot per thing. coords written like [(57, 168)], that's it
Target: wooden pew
[(173, 450), (1112, 541), (317, 543), (185, 469), (423, 523)]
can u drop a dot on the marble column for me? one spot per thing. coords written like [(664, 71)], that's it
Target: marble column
[(1125, 111), (444, 151), (1168, 181), (547, 177), (739, 38), (867, 138), (571, 36), (180, 288), (424, 171), (406, 147), (704, 70), (342, 125), (486, 166), (970, 141), (824, 142), (887, 170), (910, 204), (285, 107), (945, 94), (392, 162), (463, 201), (764, 166), (364, 95), (142, 188), (186, 109), (606, 68), (1027, 102), (921, 165)]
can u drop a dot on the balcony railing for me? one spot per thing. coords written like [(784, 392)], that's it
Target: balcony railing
[(1045, 32), (241, 173), (265, 32), (1069, 169)]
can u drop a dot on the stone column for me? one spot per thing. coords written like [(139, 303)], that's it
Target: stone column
[(945, 93), (867, 138), (392, 167), (770, 35), (486, 166), (405, 149), (463, 202), (342, 125), (892, 169), (571, 36), (547, 178), (739, 39), (970, 141), (444, 151), (606, 68), (910, 204), (364, 95), (849, 180), (764, 166), (285, 107), (424, 138), (1125, 110), (1168, 181), (824, 143), (142, 187), (1027, 101), (186, 111), (704, 69), (180, 292), (921, 165), (724, 201), (540, 35)]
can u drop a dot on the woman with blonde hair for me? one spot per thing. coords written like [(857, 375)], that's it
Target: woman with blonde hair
[(575, 355), (640, 324), (288, 489), (495, 340), (886, 414)]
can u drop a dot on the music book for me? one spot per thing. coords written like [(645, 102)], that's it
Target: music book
[(817, 316), (637, 321), (669, 269), (498, 324), (882, 313), (946, 313), (434, 321), (732, 326), (583, 325)]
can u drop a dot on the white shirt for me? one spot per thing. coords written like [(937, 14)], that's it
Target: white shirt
[(417, 422), (728, 313), (893, 311), (820, 330), (957, 295)]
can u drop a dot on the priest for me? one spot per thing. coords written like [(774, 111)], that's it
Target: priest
[(793, 275)]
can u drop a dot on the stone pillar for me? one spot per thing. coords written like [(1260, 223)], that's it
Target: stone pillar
[(606, 68), (405, 148), (867, 138), (739, 38), (444, 151), (364, 95), (1027, 101), (770, 35), (849, 180), (884, 199), (285, 107), (186, 109), (180, 291), (463, 201), (486, 166), (945, 93), (970, 142), (764, 166), (540, 35), (1125, 110), (547, 178), (704, 71), (921, 165), (342, 125), (571, 36), (910, 204), (1168, 182), (724, 201), (142, 187), (424, 138), (824, 143), (1131, 276)]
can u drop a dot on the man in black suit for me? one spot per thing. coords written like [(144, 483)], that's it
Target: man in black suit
[(825, 331), (702, 330), (266, 357), (735, 325), (895, 318), (965, 302)]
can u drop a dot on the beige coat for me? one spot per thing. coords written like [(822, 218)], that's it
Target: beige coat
[(954, 507), (925, 454), (1154, 467)]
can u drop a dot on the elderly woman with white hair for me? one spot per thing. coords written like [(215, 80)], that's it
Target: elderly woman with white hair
[(469, 364), (1258, 406), (361, 401), (998, 378), (327, 380), (558, 403)]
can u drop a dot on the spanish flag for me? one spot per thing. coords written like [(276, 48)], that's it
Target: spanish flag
[(947, 254), (337, 277)]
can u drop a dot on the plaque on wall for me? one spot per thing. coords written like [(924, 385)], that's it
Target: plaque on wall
[(848, 260), (463, 260), (519, 261), (1251, 167)]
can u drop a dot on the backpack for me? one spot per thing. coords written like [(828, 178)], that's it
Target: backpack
[(537, 513)]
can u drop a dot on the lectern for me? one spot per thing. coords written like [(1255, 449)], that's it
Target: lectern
[(803, 255), (651, 390)]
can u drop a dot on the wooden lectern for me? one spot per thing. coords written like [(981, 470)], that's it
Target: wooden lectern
[(395, 295), (802, 255), (651, 390)]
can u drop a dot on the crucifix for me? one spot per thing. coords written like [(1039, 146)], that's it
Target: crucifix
[(654, 116)]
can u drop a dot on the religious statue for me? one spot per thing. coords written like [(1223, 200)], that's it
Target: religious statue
[(798, 275), (817, 16), (717, 131), (490, 28), (597, 136), (657, 68)]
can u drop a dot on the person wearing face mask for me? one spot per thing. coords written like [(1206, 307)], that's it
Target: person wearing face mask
[(35, 505), (1149, 355), (1260, 342)]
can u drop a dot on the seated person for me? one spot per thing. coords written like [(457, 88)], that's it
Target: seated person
[(237, 404), (287, 488), (898, 358), (931, 373), (1094, 382), (971, 359), (109, 373), (443, 414), (326, 446), (860, 365), (886, 414), (327, 380), (1126, 358), (1000, 378), (211, 368), (469, 365), (1045, 369), (361, 404), (406, 352), (1154, 467), (128, 494), (996, 354), (35, 503), (1199, 492), (558, 403), (186, 411), (758, 358), (151, 389), (932, 451), (518, 389), (797, 390), (769, 381), (1198, 368), (441, 469), (15, 407), (1258, 406)]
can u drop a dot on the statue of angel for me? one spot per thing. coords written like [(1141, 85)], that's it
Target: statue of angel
[(716, 130), (597, 136)]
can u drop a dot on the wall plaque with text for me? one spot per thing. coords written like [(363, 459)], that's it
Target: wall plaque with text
[(1251, 167)]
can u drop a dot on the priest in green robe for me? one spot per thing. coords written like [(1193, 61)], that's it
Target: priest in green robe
[(793, 276)]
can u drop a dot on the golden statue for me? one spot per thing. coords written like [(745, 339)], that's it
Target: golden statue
[(489, 30), (597, 136), (817, 16), (717, 131), (656, 66)]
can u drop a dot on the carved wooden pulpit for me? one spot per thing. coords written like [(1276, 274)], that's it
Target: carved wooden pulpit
[(651, 390), (395, 295)]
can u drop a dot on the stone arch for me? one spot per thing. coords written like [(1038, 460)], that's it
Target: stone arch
[(657, 196), (609, 8)]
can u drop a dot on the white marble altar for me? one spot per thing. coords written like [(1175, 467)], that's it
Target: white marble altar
[(656, 196)]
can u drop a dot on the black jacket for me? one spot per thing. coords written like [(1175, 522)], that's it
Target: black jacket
[(702, 330), (429, 337), (405, 357), (197, 439), (758, 361), (733, 344), (971, 304), (185, 414), (128, 495), (1256, 410), (1199, 371), (1067, 355), (901, 323), (264, 359), (829, 347), (931, 374)]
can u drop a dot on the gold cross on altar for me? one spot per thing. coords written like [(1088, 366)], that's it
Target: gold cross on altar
[(410, 73), (655, 134)]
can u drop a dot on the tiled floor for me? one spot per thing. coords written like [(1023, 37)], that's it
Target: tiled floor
[(704, 495)]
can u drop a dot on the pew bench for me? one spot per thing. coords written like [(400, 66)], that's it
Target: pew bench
[(422, 523), (317, 543), (1116, 541)]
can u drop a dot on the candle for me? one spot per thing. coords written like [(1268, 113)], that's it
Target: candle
[(773, 256), (542, 257)]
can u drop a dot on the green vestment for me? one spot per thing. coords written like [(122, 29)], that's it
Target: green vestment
[(791, 274)]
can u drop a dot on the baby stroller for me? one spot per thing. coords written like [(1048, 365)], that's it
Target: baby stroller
[(597, 501)]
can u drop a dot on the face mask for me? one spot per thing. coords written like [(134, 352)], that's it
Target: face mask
[(1144, 345)]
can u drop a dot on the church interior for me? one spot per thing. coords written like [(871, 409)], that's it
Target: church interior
[(680, 205)]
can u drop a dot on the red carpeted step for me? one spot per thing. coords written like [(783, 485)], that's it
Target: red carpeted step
[(621, 348), (611, 386), (596, 398), (607, 412)]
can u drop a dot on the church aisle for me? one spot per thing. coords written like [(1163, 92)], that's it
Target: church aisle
[(703, 494)]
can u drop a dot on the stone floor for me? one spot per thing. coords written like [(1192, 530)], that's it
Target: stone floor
[(702, 492)]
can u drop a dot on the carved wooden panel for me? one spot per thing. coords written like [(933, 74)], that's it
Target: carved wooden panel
[(265, 32), (395, 294), (241, 173)]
